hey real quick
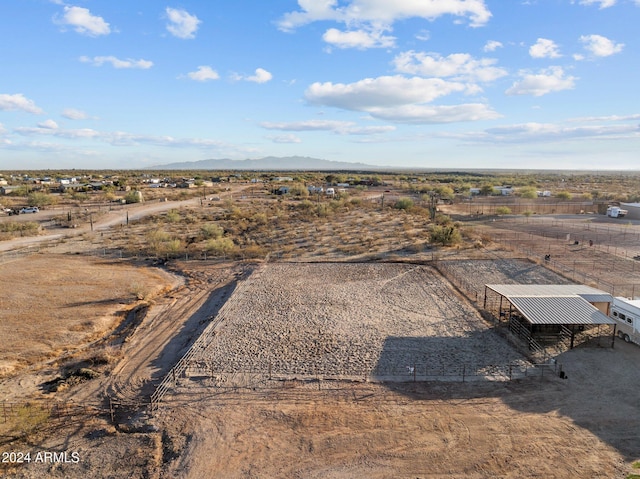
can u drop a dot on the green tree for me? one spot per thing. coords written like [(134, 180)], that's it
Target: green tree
[(211, 230), (220, 246), (444, 192), (486, 190), (446, 235), (39, 199), (503, 210), (133, 197), (528, 192)]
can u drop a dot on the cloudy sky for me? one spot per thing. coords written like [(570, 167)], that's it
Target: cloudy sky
[(413, 83)]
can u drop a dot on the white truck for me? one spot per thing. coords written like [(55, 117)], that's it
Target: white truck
[(616, 212), (626, 313)]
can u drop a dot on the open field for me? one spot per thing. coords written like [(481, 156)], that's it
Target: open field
[(52, 304)]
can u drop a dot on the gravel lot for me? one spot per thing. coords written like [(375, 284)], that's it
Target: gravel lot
[(351, 321)]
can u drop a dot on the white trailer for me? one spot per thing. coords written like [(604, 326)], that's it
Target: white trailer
[(616, 212), (626, 313)]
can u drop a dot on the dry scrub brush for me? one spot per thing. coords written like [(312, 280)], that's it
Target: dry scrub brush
[(293, 228)]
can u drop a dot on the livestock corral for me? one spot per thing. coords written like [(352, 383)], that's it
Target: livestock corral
[(392, 322)]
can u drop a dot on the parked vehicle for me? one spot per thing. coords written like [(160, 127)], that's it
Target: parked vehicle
[(29, 209), (626, 313), (616, 212)]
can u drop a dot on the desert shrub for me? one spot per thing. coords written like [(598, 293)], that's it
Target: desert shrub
[(503, 210), (404, 204), (305, 205), (40, 199), (528, 192), (298, 190), (254, 251), (260, 218), (29, 418), (211, 230), (133, 197), (220, 246), (28, 227), (20, 191), (443, 219), (564, 195), (156, 240), (446, 235), (172, 216), (323, 210)]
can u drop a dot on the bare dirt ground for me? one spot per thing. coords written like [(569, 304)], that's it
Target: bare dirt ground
[(584, 426), (50, 305)]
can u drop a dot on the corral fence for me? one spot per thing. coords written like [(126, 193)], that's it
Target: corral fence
[(586, 253), (268, 385), (196, 374)]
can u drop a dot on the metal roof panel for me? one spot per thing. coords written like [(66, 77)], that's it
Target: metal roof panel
[(559, 310)]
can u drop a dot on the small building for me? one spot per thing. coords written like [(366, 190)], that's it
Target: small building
[(552, 313)]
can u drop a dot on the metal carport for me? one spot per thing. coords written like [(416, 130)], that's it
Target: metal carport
[(569, 306)]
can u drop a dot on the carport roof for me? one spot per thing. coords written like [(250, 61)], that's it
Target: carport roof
[(587, 292), (556, 303), (559, 310)]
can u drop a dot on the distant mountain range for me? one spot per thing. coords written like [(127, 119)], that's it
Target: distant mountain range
[(271, 163)]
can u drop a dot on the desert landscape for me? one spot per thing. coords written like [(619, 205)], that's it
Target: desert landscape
[(325, 341)]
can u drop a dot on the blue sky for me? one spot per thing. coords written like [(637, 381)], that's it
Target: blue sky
[(536, 84)]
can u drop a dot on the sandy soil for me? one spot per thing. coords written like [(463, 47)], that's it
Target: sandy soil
[(52, 305)]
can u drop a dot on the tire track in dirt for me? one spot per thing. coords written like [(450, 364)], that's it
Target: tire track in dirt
[(165, 334)]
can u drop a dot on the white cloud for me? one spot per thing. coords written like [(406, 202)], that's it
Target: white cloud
[(400, 99), (48, 124), (203, 73), (459, 66), (181, 23), (385, 91), (536, 132), (285, 139), (82, 133), (360, 39), (261, 76), (18, 102), (492, 46), (117, 63), (600, 46), (549, 80), (616, 118), (434, 114), (383, 12), (73, 114), (544, 48), (602, 3), (425, 35), (84, 22), (338, 127)]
